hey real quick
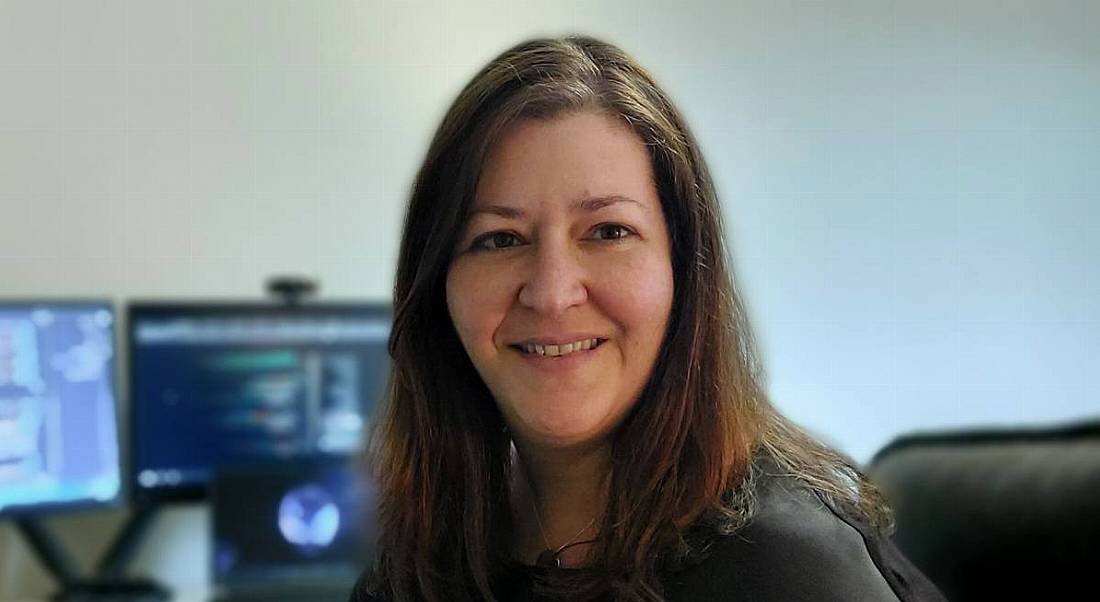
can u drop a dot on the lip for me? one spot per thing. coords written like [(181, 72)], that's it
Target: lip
[(560, 339), (561, 363)]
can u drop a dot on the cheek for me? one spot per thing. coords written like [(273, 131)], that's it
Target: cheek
[(475, 306), (638, 295)]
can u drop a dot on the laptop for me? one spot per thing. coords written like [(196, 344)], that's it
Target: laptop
[(294, 532)]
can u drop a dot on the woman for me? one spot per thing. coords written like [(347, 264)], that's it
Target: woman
[(576, 409)]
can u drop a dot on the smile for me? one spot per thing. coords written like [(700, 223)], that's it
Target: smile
[(559, 350)]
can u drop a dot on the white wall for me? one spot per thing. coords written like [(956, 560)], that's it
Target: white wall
[(911, 189)]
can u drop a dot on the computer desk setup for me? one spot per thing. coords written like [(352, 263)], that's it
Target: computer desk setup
[(258, 408)]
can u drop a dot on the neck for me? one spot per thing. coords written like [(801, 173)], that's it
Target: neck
[(568, 488)]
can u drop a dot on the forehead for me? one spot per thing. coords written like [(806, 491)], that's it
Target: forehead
[(578, 155)]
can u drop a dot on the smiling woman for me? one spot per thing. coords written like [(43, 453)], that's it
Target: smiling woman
[(576, 408)]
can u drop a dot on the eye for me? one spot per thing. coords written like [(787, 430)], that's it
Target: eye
[(612, 232), (495, 241)]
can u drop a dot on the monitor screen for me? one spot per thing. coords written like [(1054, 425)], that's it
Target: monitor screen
[(58, 428), (219, 385)]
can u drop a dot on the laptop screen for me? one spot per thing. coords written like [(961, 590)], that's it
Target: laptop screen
[(297, 523)]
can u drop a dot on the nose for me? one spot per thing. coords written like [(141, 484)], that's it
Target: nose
[(554, 281)]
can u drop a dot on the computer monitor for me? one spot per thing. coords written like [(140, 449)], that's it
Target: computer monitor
[(58, 429), (214, 385)]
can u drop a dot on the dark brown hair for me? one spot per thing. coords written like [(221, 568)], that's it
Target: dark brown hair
[(681, 460)]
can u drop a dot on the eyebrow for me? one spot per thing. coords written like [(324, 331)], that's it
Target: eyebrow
[(586, 204)]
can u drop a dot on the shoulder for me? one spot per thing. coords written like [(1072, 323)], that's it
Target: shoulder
[(798, 547)]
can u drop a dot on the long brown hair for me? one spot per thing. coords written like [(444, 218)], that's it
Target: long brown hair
[(681, 460)]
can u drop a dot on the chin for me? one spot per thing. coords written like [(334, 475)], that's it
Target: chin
[(564, 440), (554, 433)]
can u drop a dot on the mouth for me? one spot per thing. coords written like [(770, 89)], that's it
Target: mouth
[(561, 350)]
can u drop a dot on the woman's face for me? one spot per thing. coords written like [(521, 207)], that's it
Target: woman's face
[(561, 286)]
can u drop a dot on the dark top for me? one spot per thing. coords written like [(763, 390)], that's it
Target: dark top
[(797, 547)]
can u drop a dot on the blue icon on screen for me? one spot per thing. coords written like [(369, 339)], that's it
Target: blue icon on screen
[(309, 518)]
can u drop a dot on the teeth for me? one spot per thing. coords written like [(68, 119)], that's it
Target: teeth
[(560, 350)]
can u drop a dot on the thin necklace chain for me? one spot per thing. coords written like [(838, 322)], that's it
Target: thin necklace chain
[(573, 541), (546, 541)]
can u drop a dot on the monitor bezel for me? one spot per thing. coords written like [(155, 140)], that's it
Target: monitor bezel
[(113, 380), (154, 308)]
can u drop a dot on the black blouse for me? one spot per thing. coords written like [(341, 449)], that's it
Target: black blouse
[(797, 547)]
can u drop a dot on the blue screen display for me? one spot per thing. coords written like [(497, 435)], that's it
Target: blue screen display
[(58, 430), (220, 386)]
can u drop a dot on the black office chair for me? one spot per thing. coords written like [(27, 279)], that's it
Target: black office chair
[(999, 514)]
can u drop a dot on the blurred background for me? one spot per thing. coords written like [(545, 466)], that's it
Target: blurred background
[(911, 189)]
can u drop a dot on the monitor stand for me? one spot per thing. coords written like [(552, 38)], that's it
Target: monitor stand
[(108, 583)]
